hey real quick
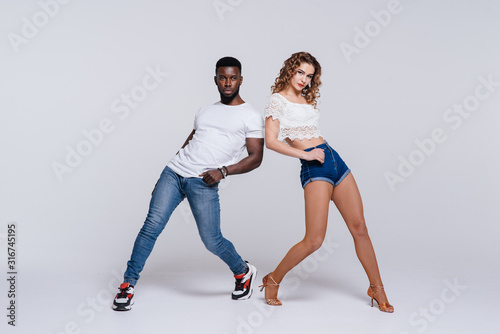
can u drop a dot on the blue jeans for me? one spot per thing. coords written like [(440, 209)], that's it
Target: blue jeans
[(203, 199), (332, 170)]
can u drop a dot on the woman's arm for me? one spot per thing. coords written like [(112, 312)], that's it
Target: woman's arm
[(272, 143)]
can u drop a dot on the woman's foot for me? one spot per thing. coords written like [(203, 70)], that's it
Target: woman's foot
[(377, 292), (271, 293)]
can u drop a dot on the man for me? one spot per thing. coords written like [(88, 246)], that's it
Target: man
[(220, 134)]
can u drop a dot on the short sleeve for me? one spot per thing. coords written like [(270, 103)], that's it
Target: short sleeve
[(195, 122), (275, 107), (255, 127)]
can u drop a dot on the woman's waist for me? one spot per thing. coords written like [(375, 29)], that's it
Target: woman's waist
[(307, 144)]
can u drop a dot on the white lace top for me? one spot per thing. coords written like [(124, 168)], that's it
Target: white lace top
[(297, 121)]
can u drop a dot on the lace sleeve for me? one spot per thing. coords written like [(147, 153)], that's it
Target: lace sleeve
[(275, 107)]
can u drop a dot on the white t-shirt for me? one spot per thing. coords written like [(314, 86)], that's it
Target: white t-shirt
[(219, 139)]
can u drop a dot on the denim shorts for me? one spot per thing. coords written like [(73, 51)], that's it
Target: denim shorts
[(333, 170)]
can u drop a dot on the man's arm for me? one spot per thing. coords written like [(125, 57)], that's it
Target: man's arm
[(255, 149), (187, 140)]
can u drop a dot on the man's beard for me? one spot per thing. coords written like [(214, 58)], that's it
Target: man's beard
[(231, 97)]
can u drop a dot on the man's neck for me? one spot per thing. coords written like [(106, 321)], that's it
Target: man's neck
[(237, 100)]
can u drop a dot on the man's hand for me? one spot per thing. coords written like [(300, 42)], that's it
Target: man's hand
[(211, 176)]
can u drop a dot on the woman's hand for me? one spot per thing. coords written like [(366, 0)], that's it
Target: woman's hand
[(316, 154)]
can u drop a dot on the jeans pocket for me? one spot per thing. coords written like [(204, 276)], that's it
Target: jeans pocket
[(333, 157), (213, 185)]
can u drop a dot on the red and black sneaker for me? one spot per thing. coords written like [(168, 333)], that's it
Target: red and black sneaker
[(243, 286), (124, 299)]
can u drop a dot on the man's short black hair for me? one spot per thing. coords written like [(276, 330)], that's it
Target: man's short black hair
[(228, 62)]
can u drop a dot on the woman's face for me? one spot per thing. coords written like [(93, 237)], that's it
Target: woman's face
[(302, 76)]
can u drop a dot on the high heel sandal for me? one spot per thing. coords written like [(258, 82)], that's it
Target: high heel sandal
[(384, 307), (270, 301)]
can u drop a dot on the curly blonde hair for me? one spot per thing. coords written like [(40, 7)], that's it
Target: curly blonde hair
[(290, 66)]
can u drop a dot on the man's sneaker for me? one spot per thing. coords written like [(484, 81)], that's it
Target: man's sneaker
[(124, 299), (243, 286)]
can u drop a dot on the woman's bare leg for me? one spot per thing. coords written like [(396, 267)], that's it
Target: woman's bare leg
[(347, 198), (317, 195)]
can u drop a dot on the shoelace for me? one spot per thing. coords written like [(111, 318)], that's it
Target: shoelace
[(238, 285), (123, 292)]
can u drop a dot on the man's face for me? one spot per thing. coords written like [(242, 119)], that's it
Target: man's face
[(228, 80)]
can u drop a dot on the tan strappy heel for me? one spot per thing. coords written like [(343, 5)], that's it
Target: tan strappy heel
[(384, 307), (270, 301)]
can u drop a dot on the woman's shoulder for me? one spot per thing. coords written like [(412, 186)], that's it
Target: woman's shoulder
[(277, 97), (292, 100), (282, 100), (276, 106)]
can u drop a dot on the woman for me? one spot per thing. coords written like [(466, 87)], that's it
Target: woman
[(292, 128)]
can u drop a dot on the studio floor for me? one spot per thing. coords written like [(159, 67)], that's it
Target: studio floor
[(325, 294)]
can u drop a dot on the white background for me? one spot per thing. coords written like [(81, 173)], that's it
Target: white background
[(75, 233)]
